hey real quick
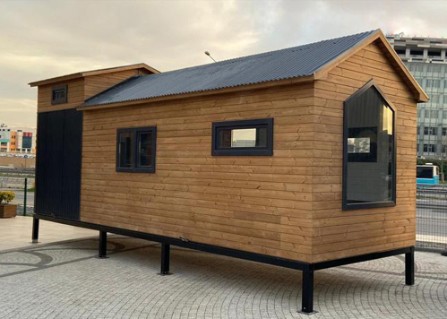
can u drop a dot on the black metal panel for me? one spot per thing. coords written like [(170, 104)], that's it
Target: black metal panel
[(58, 167)]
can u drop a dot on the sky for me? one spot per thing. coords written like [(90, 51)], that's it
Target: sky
[(40, 39)]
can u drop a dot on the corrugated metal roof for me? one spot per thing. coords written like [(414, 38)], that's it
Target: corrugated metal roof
[(270, 66)]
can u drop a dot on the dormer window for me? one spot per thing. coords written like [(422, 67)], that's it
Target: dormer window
[(59, 94)]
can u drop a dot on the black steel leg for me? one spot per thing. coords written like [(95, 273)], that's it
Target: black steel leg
[(35, 235), (307, 305), (165, 255), (409, 267), (102, 244)]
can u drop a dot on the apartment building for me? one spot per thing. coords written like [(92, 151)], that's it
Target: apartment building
[(426, 59), (17, 140)]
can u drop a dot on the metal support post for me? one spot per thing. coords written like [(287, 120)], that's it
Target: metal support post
[(35, 235), (307, 303), (409, 267), (24, 196), (165, 256), (102, 244)]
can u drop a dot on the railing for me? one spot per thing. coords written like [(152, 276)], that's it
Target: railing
[(431, 218), (431, 207), (21, 182)]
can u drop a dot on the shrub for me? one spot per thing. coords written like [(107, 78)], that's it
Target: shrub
[(6, 197)]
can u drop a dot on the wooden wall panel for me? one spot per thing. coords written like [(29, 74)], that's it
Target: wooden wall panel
[(339, 233), (98, 83), (75, 96), (258, 204)]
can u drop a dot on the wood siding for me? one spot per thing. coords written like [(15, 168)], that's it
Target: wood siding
[(81, 89), (287, 205), (257, 204), (98, 83), (75, 96), (340, 233)]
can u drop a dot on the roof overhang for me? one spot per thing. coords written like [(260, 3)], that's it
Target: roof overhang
[(378, 37), (256, 86), (78, 75)]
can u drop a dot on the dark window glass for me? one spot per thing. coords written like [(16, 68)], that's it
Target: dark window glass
[(430, 148), (136, 149), (369, 160), (59, 94), (430, 131), (125, 149), (248, 137), (424, 172), (144, 149)]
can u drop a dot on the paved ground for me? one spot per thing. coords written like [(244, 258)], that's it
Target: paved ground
[(66, 280), (16, 232)]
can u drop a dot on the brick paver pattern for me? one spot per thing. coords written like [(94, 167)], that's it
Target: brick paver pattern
[(67, 280)]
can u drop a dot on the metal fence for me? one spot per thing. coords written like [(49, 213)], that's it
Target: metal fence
[(21, 182), (431, 214)]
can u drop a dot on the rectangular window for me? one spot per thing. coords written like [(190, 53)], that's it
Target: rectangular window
[(434, 98), (59, 94), (242, 138), (430, 131), (136, 149), (429, 148), (444, 131)]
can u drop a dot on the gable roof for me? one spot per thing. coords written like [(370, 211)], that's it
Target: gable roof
[(95, 72), (306, 62)]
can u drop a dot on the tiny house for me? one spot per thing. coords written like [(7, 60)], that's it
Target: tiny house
[(302, 157)]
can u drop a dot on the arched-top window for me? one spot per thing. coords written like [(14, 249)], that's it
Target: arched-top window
[(369, 156)]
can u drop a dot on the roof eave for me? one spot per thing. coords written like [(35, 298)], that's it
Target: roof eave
[(255, 86), (79, 75), (323, 71)]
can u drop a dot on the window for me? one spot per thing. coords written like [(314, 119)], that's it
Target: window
[(369, 160), (434, 98), (431, 114), (59, 94), (430, 131), (444, 131), (241, 138), (429, 148), (135, 151)]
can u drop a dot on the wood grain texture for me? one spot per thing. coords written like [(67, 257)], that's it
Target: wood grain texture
[(339, 233), (258, 204), (286, 205), (75, 96)]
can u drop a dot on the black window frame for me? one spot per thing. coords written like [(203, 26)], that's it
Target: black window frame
[(135, 133), (60, 100), (366, 205), (243, 151)]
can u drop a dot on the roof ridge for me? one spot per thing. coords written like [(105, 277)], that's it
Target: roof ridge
[(232, 60)]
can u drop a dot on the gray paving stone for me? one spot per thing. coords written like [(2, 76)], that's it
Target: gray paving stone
[(67, 280)]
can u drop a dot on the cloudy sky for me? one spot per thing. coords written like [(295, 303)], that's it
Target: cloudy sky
[(43, 39)]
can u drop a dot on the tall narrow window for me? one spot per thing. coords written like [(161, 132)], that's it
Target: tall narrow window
[(369, 160), (136, 149)]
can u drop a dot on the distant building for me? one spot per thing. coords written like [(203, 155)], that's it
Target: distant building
[(17, 140), (426, 59)]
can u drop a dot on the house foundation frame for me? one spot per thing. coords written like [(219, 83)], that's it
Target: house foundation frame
[(307, 269)]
